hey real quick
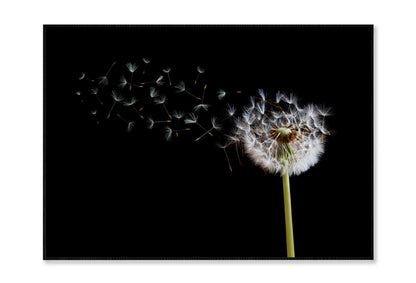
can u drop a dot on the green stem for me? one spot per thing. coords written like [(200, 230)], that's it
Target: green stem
[(288, 217)]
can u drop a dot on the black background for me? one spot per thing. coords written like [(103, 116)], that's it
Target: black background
[(109, 194)]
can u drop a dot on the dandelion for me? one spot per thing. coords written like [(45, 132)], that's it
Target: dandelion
[(200, 71), (167, 71), (146, 61), (181, 88), (215, 126), (117, 99), (132, 67), (159, 81), (282, 138), (130, 125), (161, 101), (94, 92), (151, 123)]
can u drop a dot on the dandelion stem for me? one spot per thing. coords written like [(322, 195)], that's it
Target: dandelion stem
[(170, 83), (288, 216)]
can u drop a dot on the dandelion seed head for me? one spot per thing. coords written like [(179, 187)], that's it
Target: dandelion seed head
[(167, 70), (93, 111), (78, 92), (94, 91), (146, 60), (281, 139)]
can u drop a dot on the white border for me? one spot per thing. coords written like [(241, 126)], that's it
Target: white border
[(21, 138)]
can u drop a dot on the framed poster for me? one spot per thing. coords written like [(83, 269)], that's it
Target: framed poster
[(208, 142)]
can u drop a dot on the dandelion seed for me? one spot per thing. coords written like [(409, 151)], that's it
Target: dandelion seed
[(193, 119), (262, 94), (230, 110), (200, 71), (201, 106), (132, 67), (82, 76), (103, 80), (130, 125), (167, 71), (94, 92), (93, 112), (161, 101), (132, 101), (168, 133), (151, 123), (226, 155), (153, 92), (78, 93), (181, 88), (117, 99), (123, 82), (215, 126), (158, 82), (221, 94), (146, 61), (178, 115)]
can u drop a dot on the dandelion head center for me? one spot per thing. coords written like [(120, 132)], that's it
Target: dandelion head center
[(283, 134)]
